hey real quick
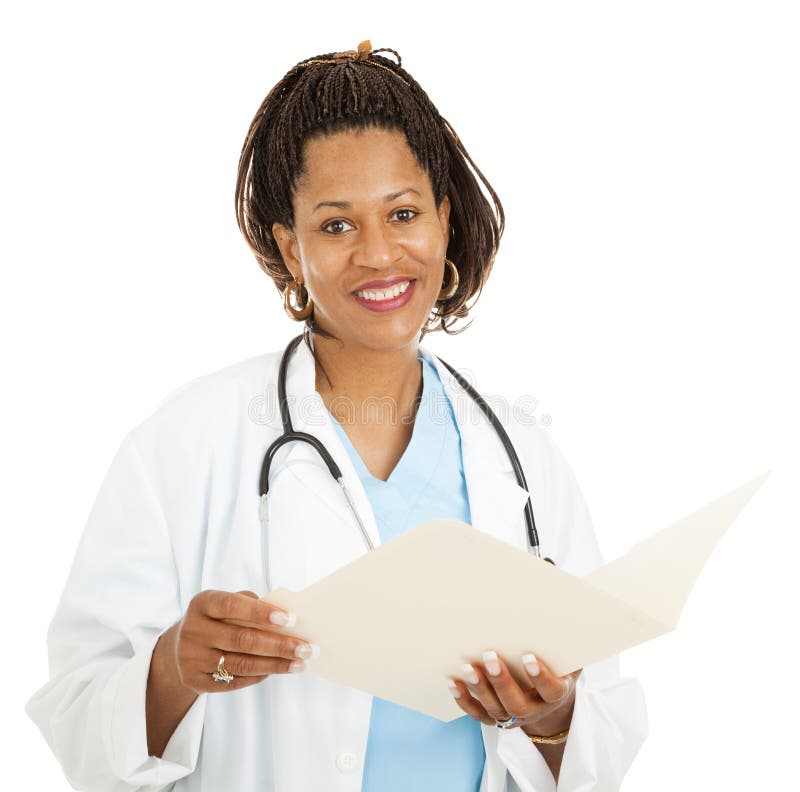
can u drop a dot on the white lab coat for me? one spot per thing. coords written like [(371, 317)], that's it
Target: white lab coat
[(178, 513)]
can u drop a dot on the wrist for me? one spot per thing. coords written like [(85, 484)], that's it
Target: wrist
[(554, 723)]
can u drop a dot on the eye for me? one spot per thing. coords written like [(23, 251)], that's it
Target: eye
[(408, 211), (334, 223)]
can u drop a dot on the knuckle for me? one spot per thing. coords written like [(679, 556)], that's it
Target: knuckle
[(245, 641), (246, 665), (196, 602), (187, 631), (227, 603), (199, 602), (285, 647)]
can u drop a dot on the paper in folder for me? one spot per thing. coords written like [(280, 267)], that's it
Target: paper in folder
[(398, 620)]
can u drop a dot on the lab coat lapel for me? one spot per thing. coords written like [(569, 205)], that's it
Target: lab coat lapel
[(332, 538)]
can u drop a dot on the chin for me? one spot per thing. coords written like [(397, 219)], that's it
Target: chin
[(379, 332), (394, 336)]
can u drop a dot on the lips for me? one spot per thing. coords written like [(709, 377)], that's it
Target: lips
[(381, 303), (383, 284), (387, 293)]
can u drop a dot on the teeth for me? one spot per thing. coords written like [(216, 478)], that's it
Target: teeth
[(384, 294)]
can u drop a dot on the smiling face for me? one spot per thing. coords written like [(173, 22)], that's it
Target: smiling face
[(369, 242)]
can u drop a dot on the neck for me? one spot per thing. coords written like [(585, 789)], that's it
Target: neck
[(359, 376)]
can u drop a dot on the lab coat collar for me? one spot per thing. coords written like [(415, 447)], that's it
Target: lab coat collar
[(496, 500)]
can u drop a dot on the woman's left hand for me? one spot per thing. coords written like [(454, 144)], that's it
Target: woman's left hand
[(543, 707)]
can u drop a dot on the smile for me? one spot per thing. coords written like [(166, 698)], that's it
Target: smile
[(384, 294), (386, 299)]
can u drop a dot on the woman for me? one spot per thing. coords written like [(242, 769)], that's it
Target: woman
[(359, 201)]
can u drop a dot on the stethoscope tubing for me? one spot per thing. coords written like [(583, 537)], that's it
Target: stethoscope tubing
[(290, 435)]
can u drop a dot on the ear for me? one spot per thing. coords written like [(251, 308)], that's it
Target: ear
[(444, 218), (287, 244)]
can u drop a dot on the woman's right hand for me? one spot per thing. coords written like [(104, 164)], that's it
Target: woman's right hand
[(205, 634)]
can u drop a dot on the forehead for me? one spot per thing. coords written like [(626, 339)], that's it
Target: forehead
[(355, 161)]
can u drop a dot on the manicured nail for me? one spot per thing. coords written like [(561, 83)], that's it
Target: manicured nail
[(297, 666), (453, 688), (469, 674), (283, 619), (491, 663), (531, 665), (307, 651)]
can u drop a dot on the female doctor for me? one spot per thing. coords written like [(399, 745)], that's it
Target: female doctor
[(363, 206)]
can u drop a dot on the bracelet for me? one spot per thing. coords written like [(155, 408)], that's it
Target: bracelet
[(555, 739)]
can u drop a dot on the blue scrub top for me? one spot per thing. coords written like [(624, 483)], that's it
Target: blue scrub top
[(407, 750)]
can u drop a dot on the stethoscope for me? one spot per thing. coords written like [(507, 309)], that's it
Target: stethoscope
[(290, 435)]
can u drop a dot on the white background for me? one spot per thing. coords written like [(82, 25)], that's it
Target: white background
[(647, 158)]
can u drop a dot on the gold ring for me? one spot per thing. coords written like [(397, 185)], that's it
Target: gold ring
[(222, 674)]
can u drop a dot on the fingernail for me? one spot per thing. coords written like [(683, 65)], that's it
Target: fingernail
[(491, 663), (297, 666), (469, 674), (283, 619), (453, 688), (307, 651), (530, 663)]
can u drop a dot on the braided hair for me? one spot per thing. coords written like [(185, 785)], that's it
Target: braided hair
[(334, 92)]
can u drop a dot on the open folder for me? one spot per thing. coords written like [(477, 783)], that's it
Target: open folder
[(399, 620)]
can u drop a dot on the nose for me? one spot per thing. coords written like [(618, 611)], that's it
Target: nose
[(377, 248)]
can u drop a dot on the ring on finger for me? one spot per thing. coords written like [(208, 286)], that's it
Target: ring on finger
[(506, 724), (222, 674)]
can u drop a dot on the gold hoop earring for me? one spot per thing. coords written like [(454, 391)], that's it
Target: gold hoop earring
[(298, 314), (447, 292)]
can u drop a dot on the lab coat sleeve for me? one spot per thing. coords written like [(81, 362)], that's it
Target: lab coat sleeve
[(121, 595), (609, 720)]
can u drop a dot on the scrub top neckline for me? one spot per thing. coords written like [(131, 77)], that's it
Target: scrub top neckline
[(422, 453)]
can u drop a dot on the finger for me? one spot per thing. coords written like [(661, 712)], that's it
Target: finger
[(513, 699), (550, 686), (245, 640), (203, 681), (207, 684), (475, 682), (248, 665), (467, 703), (238, 606), (248, 593)]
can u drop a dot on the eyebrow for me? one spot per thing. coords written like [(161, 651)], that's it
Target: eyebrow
[(347, 205)]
